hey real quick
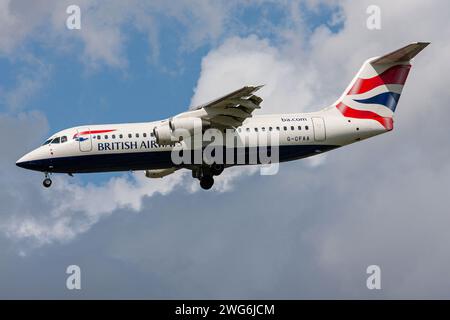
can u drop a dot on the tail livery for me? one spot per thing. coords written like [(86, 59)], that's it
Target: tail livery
[(375, 91)]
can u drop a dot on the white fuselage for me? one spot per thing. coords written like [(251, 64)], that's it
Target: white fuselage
[(132, 146)]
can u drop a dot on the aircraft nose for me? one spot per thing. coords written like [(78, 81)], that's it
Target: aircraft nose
[(25, 161), (20, 164), (30, 162)]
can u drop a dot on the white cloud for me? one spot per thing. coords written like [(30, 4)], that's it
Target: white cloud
[(13, 27), (71, 208), (102, 34), (243, 61), (74, 208)]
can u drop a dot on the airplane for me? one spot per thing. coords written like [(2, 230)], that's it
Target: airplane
[(365, 109)]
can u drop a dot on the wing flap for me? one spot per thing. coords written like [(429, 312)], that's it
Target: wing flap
[(237, 112), (232, 109), (237, 94)]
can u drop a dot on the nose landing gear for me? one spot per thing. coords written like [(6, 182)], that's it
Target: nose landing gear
[(47, 181)]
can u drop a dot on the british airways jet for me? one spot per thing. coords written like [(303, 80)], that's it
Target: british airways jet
[(364, 110)]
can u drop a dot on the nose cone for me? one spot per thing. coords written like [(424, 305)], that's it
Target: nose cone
[(32, 161), (25, 162), (25, 165), (21, 164)]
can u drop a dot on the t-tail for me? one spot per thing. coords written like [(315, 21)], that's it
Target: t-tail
[(375, 91)]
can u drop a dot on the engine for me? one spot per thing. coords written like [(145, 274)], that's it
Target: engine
[(190, 124), (164, 133)]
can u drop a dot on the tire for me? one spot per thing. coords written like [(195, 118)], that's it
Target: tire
[(47, 183), (206, 182)]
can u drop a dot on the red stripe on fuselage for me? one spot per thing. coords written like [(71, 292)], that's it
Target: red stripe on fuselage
[(95, 132), (393, 75), (386, 122)]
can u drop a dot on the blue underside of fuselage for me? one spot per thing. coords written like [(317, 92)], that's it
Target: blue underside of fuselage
[(88, 163)]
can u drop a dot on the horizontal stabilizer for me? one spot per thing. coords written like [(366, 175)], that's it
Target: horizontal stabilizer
[(404, 54)]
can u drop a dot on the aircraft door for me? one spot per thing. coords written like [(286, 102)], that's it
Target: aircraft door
[(319, 129), (84, 139)]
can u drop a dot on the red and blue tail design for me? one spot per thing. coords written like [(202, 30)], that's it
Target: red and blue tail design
[(375, 91)]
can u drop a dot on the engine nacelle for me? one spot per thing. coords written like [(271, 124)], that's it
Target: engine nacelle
[(190, 124), (159, 173), (164, 133)]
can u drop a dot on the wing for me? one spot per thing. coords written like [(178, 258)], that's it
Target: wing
[(230, 110)]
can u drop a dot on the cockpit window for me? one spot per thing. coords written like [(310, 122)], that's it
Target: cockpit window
[(63, 139), (47, 142), (56, 140)]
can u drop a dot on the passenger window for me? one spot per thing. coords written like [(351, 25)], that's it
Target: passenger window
[(113, 136), (270, 128), (145, 135), (130, 135), (278, 128), (263, 129), (137, 135), (247, 129), (63, 139), (256, 129), (151, 134), (285, 128), (121, 136), (299, 128), (239, 129), (56, 140), (98, 137), (292, 128), (306, 128), (106, 137)]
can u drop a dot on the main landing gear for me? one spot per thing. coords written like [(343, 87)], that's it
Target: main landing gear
[(47, 181), (206, 174), (206, 182)]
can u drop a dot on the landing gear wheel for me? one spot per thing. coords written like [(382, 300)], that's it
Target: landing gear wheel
[(206, 182), (47, 182)]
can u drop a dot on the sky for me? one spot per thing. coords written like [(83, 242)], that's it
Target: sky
[(310, 231)]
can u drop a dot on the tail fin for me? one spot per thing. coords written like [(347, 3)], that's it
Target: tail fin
[(376, 89)]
